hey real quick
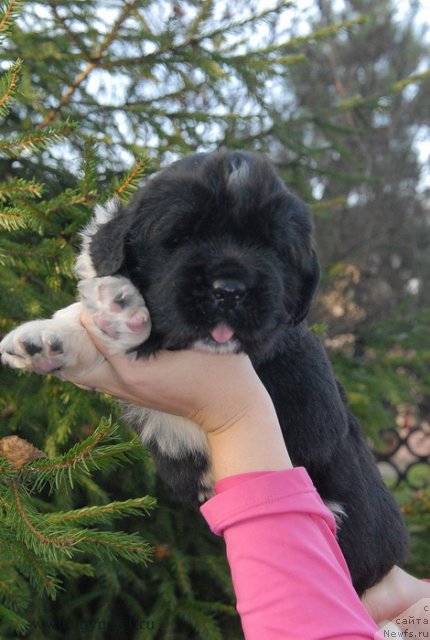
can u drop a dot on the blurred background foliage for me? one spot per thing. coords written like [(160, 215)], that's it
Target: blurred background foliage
[(95, 95)]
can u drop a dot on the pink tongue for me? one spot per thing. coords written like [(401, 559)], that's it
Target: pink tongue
[(222, 333)]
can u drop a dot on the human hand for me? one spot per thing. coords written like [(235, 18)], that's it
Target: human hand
[(395, 593), (220, 392), (210, 389)]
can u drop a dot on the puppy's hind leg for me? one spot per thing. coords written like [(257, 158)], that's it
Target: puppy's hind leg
[(180, 450), (57, 345), (60, 345)]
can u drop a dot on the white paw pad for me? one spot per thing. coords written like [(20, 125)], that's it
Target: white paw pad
[(34, 347), (118, 310)]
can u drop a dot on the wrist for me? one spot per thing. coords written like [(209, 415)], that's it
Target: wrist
[(251, 442)]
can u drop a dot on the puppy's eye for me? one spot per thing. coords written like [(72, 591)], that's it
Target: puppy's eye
[(176, 241), (172, 243)]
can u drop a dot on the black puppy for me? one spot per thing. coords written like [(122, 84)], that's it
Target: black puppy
[(223, 256)]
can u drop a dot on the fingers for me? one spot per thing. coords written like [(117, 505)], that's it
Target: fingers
[(178, 382), (118, 375), (119, 361), (88, 323), (104, 379)]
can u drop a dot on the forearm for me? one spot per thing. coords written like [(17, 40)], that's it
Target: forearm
[(289, 575)]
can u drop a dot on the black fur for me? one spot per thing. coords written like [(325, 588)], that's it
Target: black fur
[(227, 217)]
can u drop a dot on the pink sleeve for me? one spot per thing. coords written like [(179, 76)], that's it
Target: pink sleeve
[(289, 575)]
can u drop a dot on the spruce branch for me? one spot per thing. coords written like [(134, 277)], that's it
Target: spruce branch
[(356, 101), (323, 33), (202, 622), (132, 180), (92, 64), (16, 621), (8, 86), (84, 457), (109, 545), (89, 168), (72, 34), (11, 219), (412, 79), (235, 25), (34, 141), (68, 198), (38, 547), (32, 530), (54, 540), (9, 11), (19, 186), (204, 13), (105, 512)]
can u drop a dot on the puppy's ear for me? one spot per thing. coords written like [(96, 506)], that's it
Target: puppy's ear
[(309, 283), (302, 262), (103, 240)]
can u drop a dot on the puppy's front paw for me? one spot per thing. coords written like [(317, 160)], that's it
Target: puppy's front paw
[(34, 346), (118, 310)]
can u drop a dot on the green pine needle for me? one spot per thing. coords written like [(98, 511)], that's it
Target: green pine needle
[(46, 543), (132, 180), (34, 141), (9, 11), (8, 87), (106, 512), (11, 219), (16, 621), (83, 458), (19, 187)]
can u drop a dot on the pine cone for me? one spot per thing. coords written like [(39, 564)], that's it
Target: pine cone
[(162, 551), (18, 451)]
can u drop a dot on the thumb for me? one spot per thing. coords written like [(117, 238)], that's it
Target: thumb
[(94, 333)]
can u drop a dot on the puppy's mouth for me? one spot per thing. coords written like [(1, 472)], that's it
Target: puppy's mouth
[(222, 333), (221, 339)]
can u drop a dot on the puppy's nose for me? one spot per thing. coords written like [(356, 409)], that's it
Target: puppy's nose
[(228, 290)]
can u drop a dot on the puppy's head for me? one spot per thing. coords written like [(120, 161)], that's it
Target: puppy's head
[(219, 248)]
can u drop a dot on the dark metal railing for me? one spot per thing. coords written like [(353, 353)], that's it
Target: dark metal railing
[(404, 456)]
